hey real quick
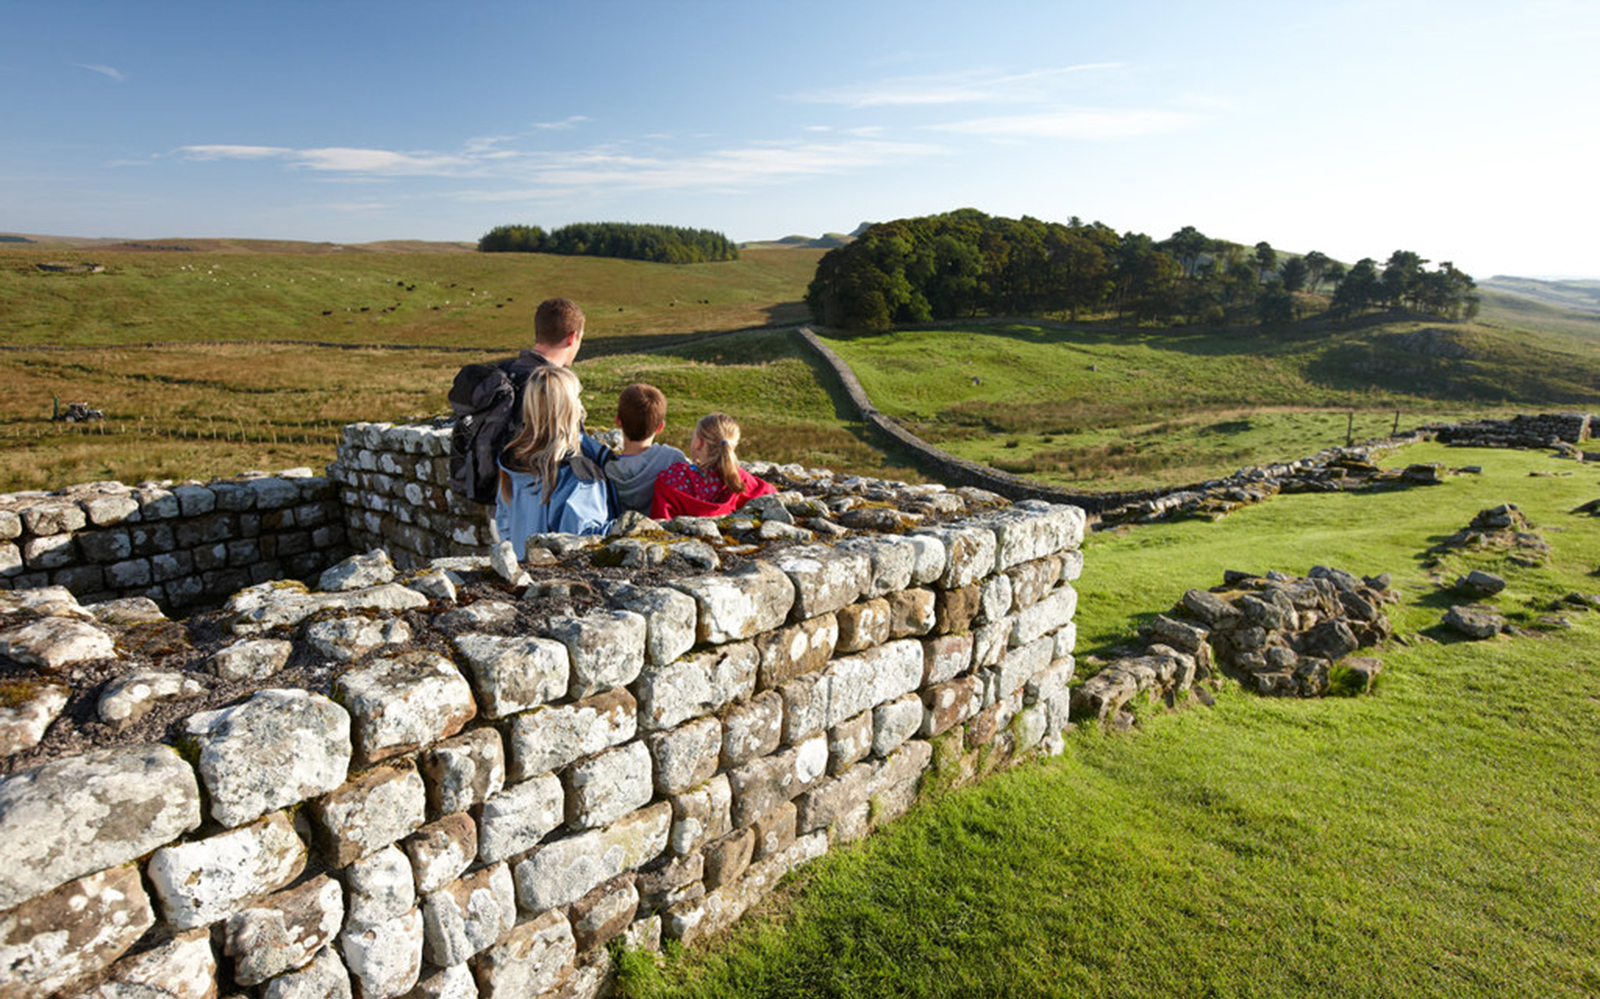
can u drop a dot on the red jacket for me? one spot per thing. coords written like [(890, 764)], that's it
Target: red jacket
[(683, 490)]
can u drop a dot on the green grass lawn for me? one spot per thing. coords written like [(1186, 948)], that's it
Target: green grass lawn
[(1103, 409), (1438, 837)]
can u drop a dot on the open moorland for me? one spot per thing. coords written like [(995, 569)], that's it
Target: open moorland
[(210, 357)]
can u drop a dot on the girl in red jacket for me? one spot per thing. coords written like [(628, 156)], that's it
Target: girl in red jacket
[(714, 484)]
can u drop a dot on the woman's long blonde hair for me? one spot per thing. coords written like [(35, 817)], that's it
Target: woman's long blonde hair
[(552, 424), (720, 435)]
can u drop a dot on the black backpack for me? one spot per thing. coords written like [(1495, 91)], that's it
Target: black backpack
[(484, 400)]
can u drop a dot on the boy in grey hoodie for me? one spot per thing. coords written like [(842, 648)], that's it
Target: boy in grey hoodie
[(641, 413)]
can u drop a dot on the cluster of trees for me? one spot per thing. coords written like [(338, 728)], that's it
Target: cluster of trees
[(663, 244), (965, 263)]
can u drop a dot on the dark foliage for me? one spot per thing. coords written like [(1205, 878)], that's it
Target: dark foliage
[(663, 244)]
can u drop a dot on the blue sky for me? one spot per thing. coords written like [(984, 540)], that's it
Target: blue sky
[(1463, 131)]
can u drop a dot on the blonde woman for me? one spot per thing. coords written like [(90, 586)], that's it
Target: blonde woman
[(711, 483), (552, 474)]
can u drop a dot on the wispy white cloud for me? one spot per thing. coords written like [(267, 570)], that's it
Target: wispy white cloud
[(1074, 123), (110, 72), (975, 86), (559, 126), (382, 162), (226, 152)]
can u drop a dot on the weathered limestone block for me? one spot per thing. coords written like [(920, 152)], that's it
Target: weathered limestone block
[(532, 959), (403, 703), (265, 606), (663, 882), (251, 659), (478, 616), (728, 858), (994, 599), (72, 932), (440, 851), (514, 674), (774, 831), (762, 785), (898, 780), (463, 771), (701, 815), (990, 641), (384, 960), (929, 558), (894, 722), (67, 818), (950, 703), (1180, 635), (911, 612), (735, 605), (1032, 581), (1021, 664), (1211, 609), (128, 698), (695, 685), (50, 551), (856, 683), (53, 518), (381, 807), (283, 931), (945, 657), (954, 609), (805, 706), (685, 756), (26, 711), (825, 579), (113, 508), (788, 652), (564, 870), (377, 888), (893, 561), (604, 913), (358, 572), (605, 648), (863, 625), (54, 643), (969, 551), (849, 742), (1032, 529), (467, 916), (434, 584), (272, 750), (454, 982), (553, 736), (669, 618), (751, 729), (182, 968), (831, 801), (518, 817), (608, 785), (203, 881), (345, 639), (324, 978), (1050, 613)]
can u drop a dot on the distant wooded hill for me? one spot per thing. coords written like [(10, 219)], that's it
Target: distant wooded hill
[(662, 244)]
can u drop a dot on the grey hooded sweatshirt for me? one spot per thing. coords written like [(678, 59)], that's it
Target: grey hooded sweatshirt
[(635, 475)]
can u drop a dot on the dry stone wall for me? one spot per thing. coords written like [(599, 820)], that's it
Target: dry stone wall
[(483, 795), (178, 543)]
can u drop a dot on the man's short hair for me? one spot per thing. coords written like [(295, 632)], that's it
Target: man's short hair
[(557, 319), (640, 409)]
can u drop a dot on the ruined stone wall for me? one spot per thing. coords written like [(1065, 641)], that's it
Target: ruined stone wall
[(1525, 430), (176, 543), (479, 813), (393, 483)]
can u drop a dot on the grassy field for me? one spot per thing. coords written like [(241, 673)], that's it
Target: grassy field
[(184, 353), (1100, 408), (1436, 838)]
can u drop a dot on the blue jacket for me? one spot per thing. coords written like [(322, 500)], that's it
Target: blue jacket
[(583, 501)]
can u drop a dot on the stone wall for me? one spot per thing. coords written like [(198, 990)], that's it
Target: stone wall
[(482, 795), (1523, 430), (176, 543), (393, 483)]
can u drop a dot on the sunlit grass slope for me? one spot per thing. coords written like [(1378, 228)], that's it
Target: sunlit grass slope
[(1109, 409), (439, 298), (1435, 838), (193, 410)]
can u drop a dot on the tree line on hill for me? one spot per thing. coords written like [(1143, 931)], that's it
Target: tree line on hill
[(663, 244), (965, 263)]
